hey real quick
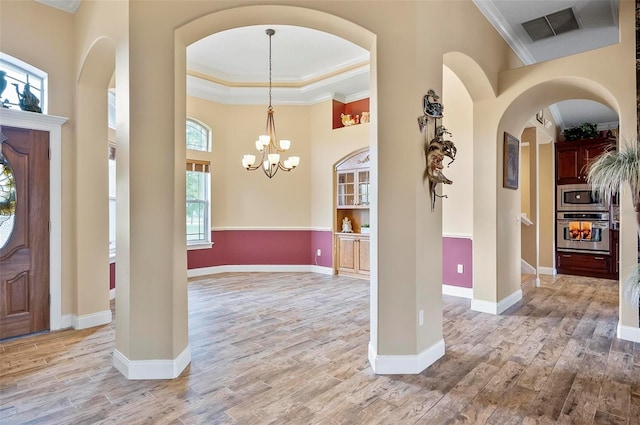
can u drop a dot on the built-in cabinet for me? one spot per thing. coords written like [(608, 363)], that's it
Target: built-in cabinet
[(353, 254), (352, 198), (572, 158)]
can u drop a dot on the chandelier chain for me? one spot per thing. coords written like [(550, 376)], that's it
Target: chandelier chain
[(270, 35)]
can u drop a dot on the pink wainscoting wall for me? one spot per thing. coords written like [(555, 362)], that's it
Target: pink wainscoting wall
[(457, 251), (259, 247), (112, 275)]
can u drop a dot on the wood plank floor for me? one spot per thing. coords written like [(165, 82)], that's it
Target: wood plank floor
[(292, 349)]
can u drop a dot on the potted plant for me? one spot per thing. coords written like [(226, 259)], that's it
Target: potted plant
[(607, 174), (364, 228), (584, 131)]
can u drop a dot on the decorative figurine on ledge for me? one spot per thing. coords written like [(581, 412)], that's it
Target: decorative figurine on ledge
[(28, 101), (438, 147), (346, 225), (347, 120)]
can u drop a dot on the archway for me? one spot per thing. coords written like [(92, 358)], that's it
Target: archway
[(92, 237)]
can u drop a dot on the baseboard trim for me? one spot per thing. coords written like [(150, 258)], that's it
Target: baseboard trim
[(526, 267), (112, 293), (405, 364), (262, 268), (629, 333), (496, 308), (91, 320), (547, 271), (457, 291), (66, 321), (152, 369)]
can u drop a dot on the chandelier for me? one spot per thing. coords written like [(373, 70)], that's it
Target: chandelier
[(267, 144)]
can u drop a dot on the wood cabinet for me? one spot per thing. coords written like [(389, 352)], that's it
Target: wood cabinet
[(592, 265), (353, 254), (572, 158), (615, 253), (352, 198)]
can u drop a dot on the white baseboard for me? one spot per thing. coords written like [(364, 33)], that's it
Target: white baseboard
[(457, 291), (526, 267), (67, 321), (112, 293), (547, 271), (152, 369), (628, 333), (405, 364), (264, 268), (91, 320), (496, 308)]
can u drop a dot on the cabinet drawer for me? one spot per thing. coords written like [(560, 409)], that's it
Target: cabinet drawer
[(583, 261)]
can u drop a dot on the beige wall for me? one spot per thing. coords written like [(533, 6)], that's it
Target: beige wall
[(528, 196), (457, 208), (302, 198), (546, 218)]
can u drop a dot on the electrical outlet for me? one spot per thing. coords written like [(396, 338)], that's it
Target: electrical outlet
[(460, 268), (421, 317), (318, 252)]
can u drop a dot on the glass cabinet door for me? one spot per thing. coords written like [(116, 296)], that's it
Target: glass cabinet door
[(363, 187), (346, 189)]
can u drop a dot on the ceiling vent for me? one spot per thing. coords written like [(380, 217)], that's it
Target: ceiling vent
[(551, 25)]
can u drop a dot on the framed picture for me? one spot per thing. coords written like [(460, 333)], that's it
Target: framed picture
[(540, 116), (511, 162)]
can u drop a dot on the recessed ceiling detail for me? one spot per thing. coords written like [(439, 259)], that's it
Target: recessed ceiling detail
[(551, 25)]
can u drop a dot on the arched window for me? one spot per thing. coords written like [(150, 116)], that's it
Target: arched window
[(198, 136), (198, 186)]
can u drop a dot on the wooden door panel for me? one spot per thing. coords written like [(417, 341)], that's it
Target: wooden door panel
[(567, 165), (347, 253), (24, 259)]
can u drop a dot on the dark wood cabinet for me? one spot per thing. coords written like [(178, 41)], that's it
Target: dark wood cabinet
[(615, 253), (591, 265), (572, 158)]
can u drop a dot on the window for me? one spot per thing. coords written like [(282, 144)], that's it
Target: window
[(198, 228), (112, 200), (198, 136), (17, 74)]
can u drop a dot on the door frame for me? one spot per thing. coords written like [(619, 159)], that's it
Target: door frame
[(53, 125)]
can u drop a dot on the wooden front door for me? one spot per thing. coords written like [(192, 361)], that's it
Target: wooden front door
[(24, 254)]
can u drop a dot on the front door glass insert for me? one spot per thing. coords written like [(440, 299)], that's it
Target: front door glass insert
[(7, 197)]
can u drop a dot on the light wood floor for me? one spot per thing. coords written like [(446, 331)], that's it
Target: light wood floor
[(292, 349)]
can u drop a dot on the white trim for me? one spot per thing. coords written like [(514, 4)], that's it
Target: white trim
[(316, 229), (525, 220), (457, 291), (260, 268), (67, 321), (457, 235), (547, 271), (199, 245), (152, 369), (526, 267), (92, 320), (52, 124), (496, 308), (493, 15), (112, 294), (405, 364), (629, 333)]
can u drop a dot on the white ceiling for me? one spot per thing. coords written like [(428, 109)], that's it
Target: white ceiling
[(598, 20), (311, 66), (308, 66)]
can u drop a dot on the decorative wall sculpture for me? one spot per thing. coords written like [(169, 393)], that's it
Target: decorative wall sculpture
[(436, 146)]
